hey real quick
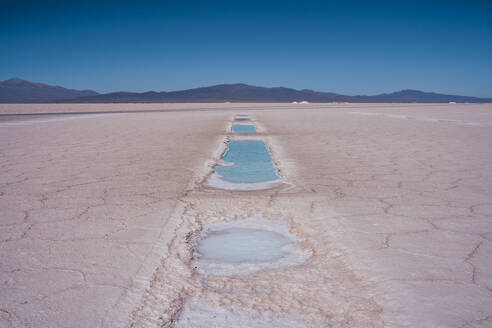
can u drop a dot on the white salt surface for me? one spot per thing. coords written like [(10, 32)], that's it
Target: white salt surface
[(217, 181), (198, 314), (395, 204), (246, 246), (36, 119)]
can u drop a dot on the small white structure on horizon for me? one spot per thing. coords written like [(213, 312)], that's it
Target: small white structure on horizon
[(304, 102), (452, 102)]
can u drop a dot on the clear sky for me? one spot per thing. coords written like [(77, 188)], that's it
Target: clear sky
[(348, 47)]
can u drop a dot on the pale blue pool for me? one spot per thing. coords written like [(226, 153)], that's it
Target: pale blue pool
[(251, 162), (242, 247), (236, 245), (239, 128), (242, 119)]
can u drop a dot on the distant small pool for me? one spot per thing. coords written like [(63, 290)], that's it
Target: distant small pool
[(243, 128), (240, 119)]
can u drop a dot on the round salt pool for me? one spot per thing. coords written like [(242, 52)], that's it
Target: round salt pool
[(235, 245), (246, 246)]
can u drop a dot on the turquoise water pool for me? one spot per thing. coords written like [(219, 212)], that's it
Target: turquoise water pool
[(241, 119), (250, 161), (239, 128)]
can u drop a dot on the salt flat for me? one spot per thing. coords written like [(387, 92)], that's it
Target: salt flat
[(99, 213), (85, 206)]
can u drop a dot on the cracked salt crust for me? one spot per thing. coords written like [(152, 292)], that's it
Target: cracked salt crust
[(201, 315), (396, 212), (404, 197)]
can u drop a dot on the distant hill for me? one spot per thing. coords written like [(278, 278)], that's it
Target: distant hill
[(19, 91), (420, 96), (249, 93), (16, 90), (216, 93)]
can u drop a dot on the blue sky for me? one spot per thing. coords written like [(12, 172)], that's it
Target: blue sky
[(348, 47)]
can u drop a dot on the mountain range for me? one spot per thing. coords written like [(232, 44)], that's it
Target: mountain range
[(20, 91)]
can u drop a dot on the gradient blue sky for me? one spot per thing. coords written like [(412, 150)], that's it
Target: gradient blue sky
[(348, 47)]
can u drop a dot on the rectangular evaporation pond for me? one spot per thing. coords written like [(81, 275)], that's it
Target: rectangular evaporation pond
[(250, 162), (246, 128), (242, 119)]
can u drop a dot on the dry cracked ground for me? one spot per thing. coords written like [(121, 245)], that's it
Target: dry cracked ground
[(393, 202)]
